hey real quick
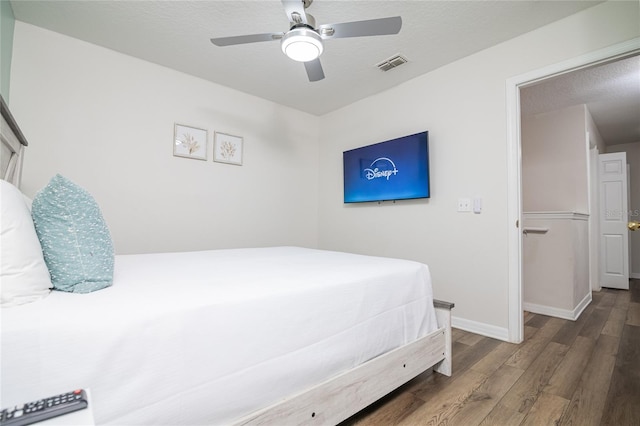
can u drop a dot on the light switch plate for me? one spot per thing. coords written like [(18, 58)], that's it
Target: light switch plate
[(477, 205)]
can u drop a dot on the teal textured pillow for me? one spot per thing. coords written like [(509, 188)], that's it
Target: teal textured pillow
[(75, 240)]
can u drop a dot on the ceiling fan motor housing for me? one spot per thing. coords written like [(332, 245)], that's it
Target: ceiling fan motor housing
[(302, 43)]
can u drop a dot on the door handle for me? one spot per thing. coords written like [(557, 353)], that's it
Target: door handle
[(634, 226)]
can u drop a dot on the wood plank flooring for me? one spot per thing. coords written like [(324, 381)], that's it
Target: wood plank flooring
[(584, 372)]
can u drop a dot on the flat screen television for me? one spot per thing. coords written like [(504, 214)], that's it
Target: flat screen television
[(397, 169)]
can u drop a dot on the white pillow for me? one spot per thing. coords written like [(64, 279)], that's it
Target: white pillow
[(24, 276)]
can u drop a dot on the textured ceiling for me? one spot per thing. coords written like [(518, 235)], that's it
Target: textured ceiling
[(177, 34), (611, 92)]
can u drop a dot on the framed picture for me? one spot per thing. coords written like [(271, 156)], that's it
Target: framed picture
[(227, 149), (190, 142)]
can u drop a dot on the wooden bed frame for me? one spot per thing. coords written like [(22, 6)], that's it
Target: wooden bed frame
[(342, 396), (329, 402)]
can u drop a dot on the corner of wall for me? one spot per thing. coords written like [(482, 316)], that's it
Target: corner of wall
[(7, 23), (594, 133)]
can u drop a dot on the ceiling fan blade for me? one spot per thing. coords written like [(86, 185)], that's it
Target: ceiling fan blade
[(314, 70), (244, 39), (372, 27), (295, 11)]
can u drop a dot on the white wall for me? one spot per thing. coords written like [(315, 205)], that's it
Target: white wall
[(463, 106), (554, 161), (7, 22), (633, 159), (106, 121)]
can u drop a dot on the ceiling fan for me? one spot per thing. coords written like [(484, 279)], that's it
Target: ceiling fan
[(303, 41)]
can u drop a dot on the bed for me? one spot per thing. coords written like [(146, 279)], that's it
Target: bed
[(279, 335)]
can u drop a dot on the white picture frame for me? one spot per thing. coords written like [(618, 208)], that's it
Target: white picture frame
[(190, 142), (227, 148)]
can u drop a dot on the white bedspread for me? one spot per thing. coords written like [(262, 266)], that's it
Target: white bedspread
[(207, 337)]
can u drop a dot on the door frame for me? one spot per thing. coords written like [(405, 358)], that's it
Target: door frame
[(594, 215), (514, 164)]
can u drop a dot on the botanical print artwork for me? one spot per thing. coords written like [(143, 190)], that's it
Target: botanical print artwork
[(190, 142), (227, 149)]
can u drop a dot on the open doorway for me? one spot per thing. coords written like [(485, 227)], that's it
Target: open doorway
[(562, 119), (515, 87)]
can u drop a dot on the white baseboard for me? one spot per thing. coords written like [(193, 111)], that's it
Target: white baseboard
[(483, 329), (557, 312), (502, 333), (635, 275)]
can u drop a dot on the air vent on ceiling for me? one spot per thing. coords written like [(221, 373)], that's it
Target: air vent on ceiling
[(392, 62)]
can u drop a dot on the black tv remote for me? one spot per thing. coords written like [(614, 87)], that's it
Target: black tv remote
[(44, 409)]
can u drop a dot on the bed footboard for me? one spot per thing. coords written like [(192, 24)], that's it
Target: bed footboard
[(341, 397), (443, 314)]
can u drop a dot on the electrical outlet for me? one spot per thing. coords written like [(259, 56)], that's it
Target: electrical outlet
[(464, 204)]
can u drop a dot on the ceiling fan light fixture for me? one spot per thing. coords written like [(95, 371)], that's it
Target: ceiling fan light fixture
[(302, 44)]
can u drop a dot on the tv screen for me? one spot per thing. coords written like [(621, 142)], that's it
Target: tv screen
[(397, 169)]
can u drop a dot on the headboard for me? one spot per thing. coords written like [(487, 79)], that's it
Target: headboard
[(12, 148)]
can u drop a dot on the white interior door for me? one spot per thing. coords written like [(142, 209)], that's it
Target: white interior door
[(614, 234)]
